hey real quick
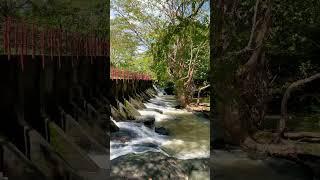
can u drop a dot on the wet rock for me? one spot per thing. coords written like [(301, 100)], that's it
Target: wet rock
[(153, 109), (124, 135), (146, 120), (155, 165), (158, 103), (178, 107), (148, 145), (162, 131)]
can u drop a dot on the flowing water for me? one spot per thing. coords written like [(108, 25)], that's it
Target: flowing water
[(189, 135), (189, 138)]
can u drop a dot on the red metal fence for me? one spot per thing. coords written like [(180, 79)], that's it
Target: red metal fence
[(21, 38), (116, 73), (25, 38)]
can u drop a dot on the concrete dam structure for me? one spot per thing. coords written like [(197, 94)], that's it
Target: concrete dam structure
[(55, 103)]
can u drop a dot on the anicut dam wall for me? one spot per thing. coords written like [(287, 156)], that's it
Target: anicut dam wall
[(55, 97)]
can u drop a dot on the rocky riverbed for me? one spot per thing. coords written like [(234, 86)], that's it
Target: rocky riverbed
[(156, 165)]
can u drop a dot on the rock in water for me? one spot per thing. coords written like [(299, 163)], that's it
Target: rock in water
[(155, 165), (123, 135), (152, 109), (162, 131), (146, 120)]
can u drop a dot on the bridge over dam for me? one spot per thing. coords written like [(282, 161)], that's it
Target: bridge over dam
[(57, 90)]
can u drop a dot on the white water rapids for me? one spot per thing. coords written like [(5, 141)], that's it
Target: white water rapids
[(188, 134)]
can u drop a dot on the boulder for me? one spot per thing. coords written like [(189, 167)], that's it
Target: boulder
[(146, 120), (162, 131), (155, 165), (123, 135)]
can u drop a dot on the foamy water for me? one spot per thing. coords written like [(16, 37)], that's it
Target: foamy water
[(189, 135)]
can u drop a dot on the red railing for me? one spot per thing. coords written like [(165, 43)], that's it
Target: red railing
[(24, 38), (21, 38), (116, 73)]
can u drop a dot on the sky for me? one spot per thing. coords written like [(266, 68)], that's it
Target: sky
[(112, 14)]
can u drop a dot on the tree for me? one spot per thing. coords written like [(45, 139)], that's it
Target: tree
[(173, 34), (123, 43), (181, 50), (240, 77), (131, 31), (286, 97)]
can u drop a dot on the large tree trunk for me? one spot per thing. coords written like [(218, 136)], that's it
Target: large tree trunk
[(184, 93), (286, 97), (242, 94)]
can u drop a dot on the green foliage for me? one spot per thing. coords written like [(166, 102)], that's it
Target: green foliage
[(295, 41), (142, 63), (179, 45), (123, 43), (155, 26), (130, 35), (290, 26), (74, 15)]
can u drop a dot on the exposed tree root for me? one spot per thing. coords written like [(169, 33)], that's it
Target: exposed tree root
[(310, 137), (304, 153), (298, 135)]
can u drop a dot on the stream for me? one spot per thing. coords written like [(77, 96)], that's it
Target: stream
[(188, 134)]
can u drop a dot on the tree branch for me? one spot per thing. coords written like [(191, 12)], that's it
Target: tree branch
[(284, 111), (199, 92)]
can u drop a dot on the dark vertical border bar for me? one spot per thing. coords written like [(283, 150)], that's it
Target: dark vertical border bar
[(1, 158)]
